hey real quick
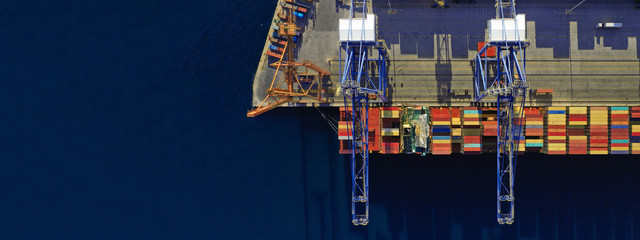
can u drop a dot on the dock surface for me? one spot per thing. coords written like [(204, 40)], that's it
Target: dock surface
[(431, 51)]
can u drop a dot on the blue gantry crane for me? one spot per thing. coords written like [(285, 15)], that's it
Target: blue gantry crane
[(359, 86), (503, 76)]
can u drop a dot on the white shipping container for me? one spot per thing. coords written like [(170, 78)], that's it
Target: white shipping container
[(508, 29), (359, 31)]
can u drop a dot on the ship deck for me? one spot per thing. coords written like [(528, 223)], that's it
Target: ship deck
[(431, 51)]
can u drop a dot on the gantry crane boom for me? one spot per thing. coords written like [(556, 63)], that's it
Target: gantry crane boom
[(358, 85), (504, 77)]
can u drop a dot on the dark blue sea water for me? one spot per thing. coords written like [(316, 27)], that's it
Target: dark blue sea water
[(126, 120)]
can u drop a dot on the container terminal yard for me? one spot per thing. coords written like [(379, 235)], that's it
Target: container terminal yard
[(458, 77)]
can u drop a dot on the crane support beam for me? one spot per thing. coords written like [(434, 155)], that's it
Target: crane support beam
[(361, 77), (504, 77), (359, 125)]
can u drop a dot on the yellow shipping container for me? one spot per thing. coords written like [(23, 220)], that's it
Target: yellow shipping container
[(557, 123), (390, 114), (557, 137), (476, 123), (534, 141), (578, 110), (557, 108), (390, 132), (578, 123), (441, 141), (592, 152), (619, 148), (456, 132), (534, 122), (441, 123), (619, 112)]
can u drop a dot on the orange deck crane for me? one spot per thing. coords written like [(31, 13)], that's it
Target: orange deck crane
[(293, 85)]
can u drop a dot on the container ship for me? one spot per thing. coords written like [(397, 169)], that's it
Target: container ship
[(458, 77), (473, 130)]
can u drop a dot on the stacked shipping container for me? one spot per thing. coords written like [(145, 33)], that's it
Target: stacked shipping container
[(619, 130), (577, 131), (519, 124), (635, 130), (390, 132), (598, 130), (456, 130), (472, 131), (440, 131), (374, 129), (489, 129), (344, 131), (557, 130), (534, 131)]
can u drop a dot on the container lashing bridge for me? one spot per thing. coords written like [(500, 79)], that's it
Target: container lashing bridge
[(503, 76), (359, 88)]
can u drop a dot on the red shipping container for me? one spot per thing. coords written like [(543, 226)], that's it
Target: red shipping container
[(578, 152), (390, 147), (441, 152), (556, 134), (599, 145), (619, 132), (619, 144), (490, 52), (441, 145), (600, 149), (619, 137), (597, 134), (455, 111), (441, 118)]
